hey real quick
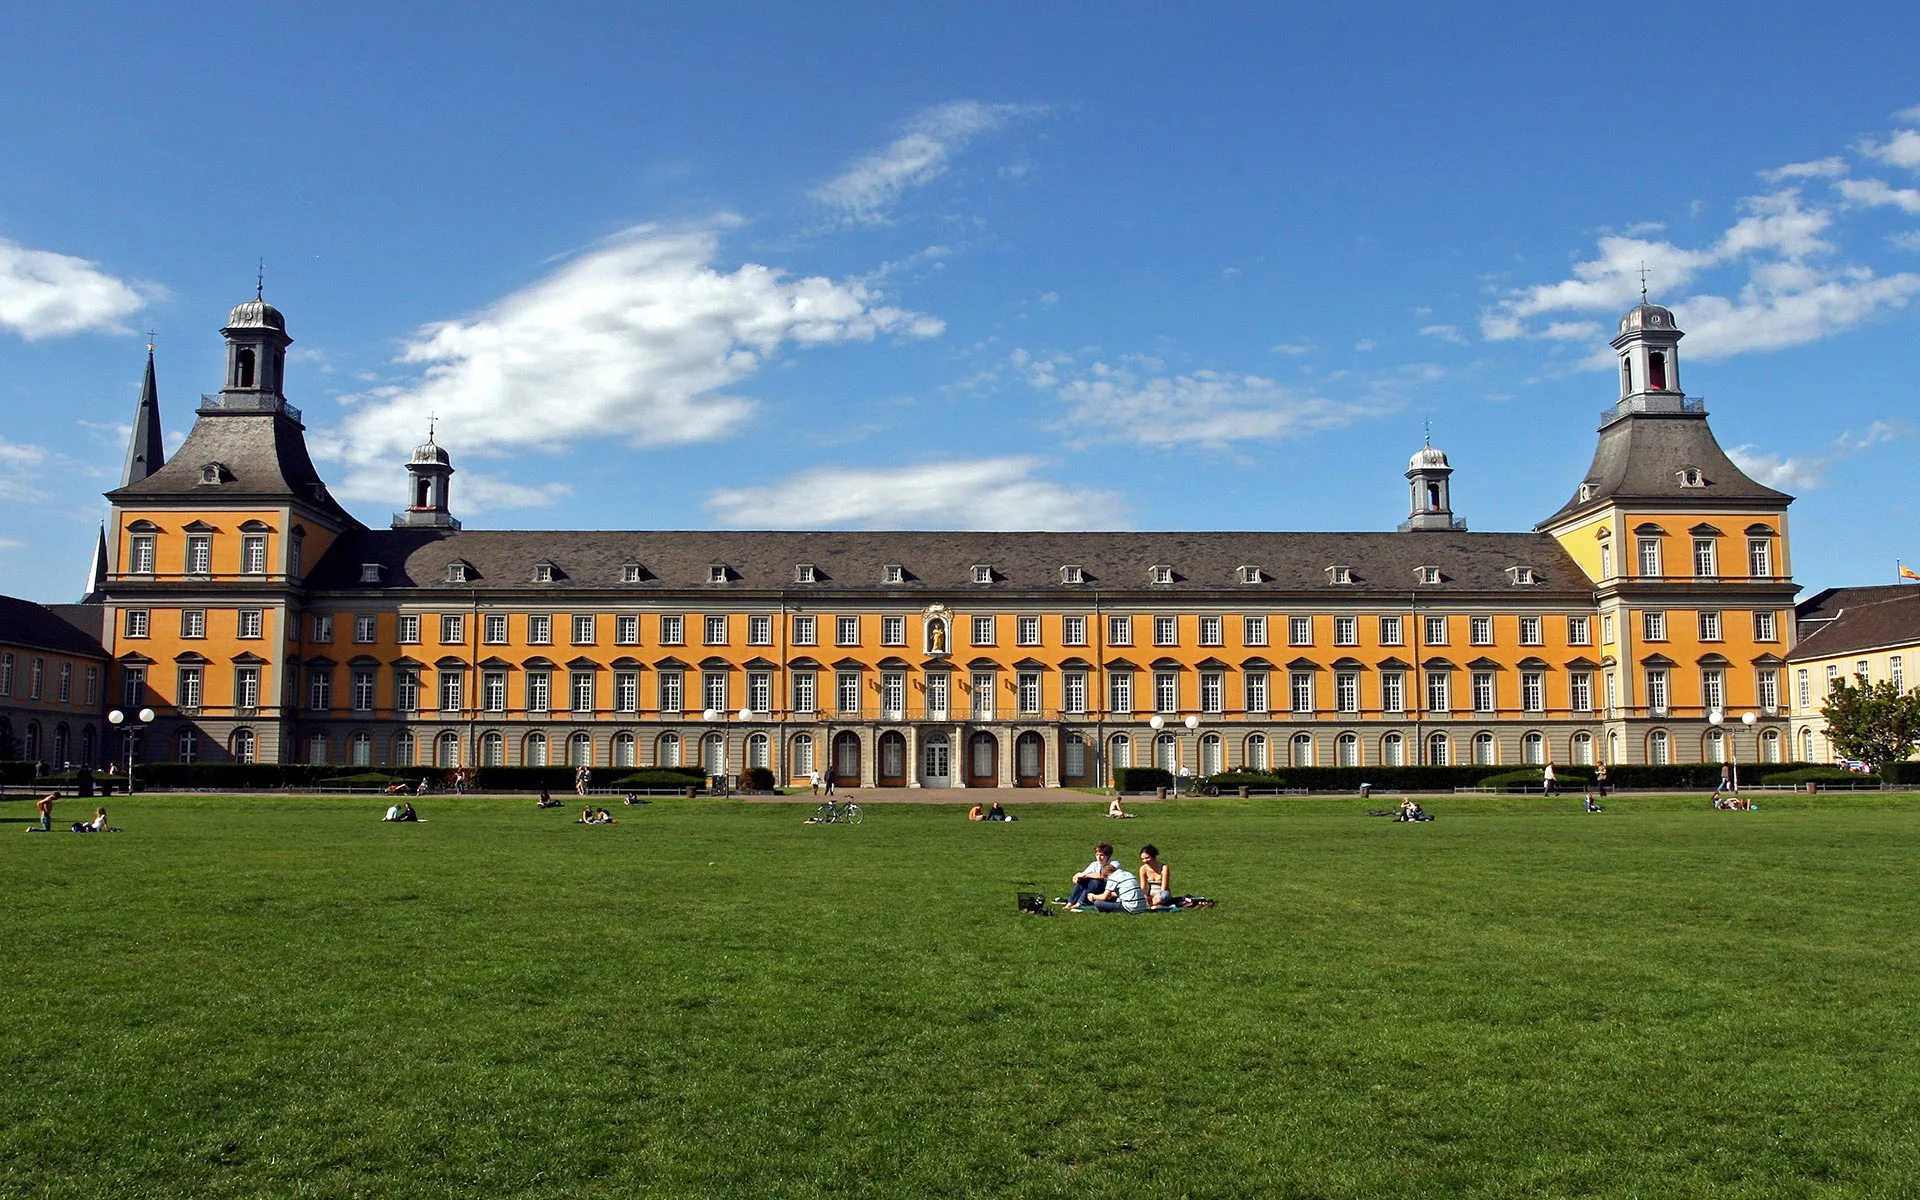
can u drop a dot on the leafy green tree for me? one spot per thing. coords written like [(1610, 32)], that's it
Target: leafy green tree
[(1874, 722)]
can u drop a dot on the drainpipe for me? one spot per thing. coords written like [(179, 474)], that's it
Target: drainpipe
[(1100, 769), (1419, 679)]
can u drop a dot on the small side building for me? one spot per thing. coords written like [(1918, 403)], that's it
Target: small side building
[(1870, 632), (53, 673)]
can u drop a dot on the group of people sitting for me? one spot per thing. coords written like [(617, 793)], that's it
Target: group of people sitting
[(993, 813), (595, 816), (402, 811), (1410, 810), (1106, 886), (1736, 803), (44, 806), (403, 788)]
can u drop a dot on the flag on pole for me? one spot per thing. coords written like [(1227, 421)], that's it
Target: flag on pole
[(1906, 572)]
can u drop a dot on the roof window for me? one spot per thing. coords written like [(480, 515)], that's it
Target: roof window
[(804, 573), (983, 573), (1429, 574), (1072, 573), (1250, 574), (1339, 574), (717, 573), (895, 573), (1521, 576), (543, 572), (630, 572), (456, 572), (370, 572), (1161, 573)]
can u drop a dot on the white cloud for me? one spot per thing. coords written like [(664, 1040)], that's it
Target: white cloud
[(1293, 348), (920, 155), (1900, 150), (1364, 345), (1819, 168), (1446, 333), (637, 341), (1807, 471), (1909, 116), (1138, 402), (44, 294), (1720, 328), (7, 543), (1572, 331), (1869, 193), (1906, 241), (991, 493)]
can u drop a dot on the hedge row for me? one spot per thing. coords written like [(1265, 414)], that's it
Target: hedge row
[(1141, 779)]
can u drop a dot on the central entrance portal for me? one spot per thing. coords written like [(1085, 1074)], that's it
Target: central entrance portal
[(936, 770)]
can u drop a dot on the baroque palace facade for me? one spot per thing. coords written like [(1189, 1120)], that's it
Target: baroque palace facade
[(262, 621)]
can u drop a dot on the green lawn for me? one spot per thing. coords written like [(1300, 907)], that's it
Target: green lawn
[(283, 997)]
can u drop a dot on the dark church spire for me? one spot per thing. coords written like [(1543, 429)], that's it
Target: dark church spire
[(97, 570), (144, 454)]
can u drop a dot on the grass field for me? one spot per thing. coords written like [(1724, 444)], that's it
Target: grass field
[(283, 997)]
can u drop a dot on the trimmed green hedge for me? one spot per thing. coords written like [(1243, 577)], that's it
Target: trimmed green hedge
[(1818, 775), (756, 779), (1141, 779), (663, 777), (17, 771)]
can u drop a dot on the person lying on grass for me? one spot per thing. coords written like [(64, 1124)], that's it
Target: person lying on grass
[(1156, 877), (1094, 877), (1122, 894), (1116, 812), (1731, 803)]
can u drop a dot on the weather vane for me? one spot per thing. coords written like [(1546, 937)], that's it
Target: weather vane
[(1643, 281), (260, 281)]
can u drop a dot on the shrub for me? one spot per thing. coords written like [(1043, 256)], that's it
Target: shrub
[(1820, 775), (1141, 779), (662, 777), (756, 779), (17, 772), (1228, 780)]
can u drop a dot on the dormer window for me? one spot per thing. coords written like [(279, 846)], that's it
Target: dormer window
[(370, 572), (1690, 477), (456, 572), (716, 574), (804, 573), (1161, 573), (1072, 573), (212, 472), (1339, 574), (1521, 576), (1586, 492), (543, 572), (1429, 574), (895, 573), (1255, 575), (630, 573), (983, 573)]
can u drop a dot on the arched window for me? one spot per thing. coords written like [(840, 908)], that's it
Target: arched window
[(1716, 746), (623, 750), (241, 746), (1613, 746), (1393, 750), (403, 749), (1483, 748), (1533, 749), (1257, 759), (1120, 751), (1659, 748), (243, 368), (60, 744), (1211, 755), (493, 749), (317, 748), (580, 749), (1301, 750), (33, 740), (536, 752), (803, 754), (1346, 750), (446, 750), (1073, 756), (713, 754), (1657, 372), (186, 747), (1770, 746), (1437, 750), (667, 752), (1166, 753), (759, 751), (1583, 749), (87, 744), (1806, 745)]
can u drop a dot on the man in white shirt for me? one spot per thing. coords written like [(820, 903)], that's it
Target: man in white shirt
[(1094, 878), (1123, 894)]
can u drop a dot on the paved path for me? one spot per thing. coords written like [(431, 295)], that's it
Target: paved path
[(964, 797)]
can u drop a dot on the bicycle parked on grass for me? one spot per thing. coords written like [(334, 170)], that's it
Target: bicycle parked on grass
[(833, 812)]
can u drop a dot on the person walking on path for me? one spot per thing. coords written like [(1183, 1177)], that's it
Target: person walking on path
[(813, 777), (580, 778), (1600, 779), (1549, 784), (828, 780)]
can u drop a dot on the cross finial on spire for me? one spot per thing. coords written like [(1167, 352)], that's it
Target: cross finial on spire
[(1643, 281), (433, 419), (1429, 434), (260, 281), (149, 343)]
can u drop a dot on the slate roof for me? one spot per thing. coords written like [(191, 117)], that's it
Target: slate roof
[(1639, 458), (61, 628), (264, 456), (940, 564), (1872, 621)]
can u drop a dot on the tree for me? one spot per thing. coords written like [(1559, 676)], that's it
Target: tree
[(1873, 722)]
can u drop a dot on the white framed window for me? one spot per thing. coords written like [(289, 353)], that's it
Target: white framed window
[(717, 574), (804, 573), (133, 684), (1346, 691), (1653, 626), (1161, 573), (1709, 626), (1579, 631), (140, 555), (190, 691), (493, 691), (1580, 691), (1483, 691), (1650, 557), (539, 629), (982, 631), (715, 630), (1436, 631), (805, 631), (1429, 574), (1393, 691), (1210, 632), (1212, 689), (370, 572), (1027, 688), (1256, 688), (1073, 631), (319, 690), (1759, 556), (1530, 632), (1482, 748), (1705, 558), (630, 572), (252, 623), (805, 691), (939, 686), (1897, 672), (493, 629), (1764, 627), (846, 631), (1120, 693), (713, 690), (253, 554), (408, 627), (1480, 631), (1803, 688), (1659, 748), (539, 692), (626, 629), (1439, 692), (246, 688), (322, 629), (406, 692), (583, 632), (1166, 631), (893, 694), (981, 693), (1713, 689), (199, 554), (760, 692), (583, 692), (847, 692), (1533, 691), (1026, 631), (1767, 688), (983, 573), (456, 572), (673, 630), (1299, 631), (453, 629), (543, 572), (93, 685), (1300, 691), (1391, 632), (759, 629), (1073, 692), (894, 573), (1119, 630), (1606, 630), (1166, 692), (452, 691), (136, 623), (1606, 561), (893, 631), (1346, 631), (1657, 690)]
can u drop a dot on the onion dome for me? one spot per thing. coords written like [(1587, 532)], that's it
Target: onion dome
[(1647, 316), (430, 451), (256, 314), (1427, 457)]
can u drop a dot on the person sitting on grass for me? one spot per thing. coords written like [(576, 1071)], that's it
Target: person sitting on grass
[(1157, 878), (44, 806), (996, 813), (546, 800), (1410, 810), (393, 813), (1122, 894), (632, 799), (586, 816), (976, 813), (1591, 806), (1094, 877), (99, 822), (406, 811), (603, 817), (1118, 813)]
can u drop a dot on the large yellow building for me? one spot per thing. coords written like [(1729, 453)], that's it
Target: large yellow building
[(1870, 633), (263, 621)]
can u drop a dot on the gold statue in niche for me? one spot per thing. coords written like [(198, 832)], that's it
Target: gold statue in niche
[(937, 637)]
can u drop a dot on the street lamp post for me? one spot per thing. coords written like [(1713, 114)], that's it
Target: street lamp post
[(1193, 723), (1716, 718), (130, 725)]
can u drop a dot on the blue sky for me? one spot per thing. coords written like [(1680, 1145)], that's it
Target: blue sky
[(1004, 266)]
